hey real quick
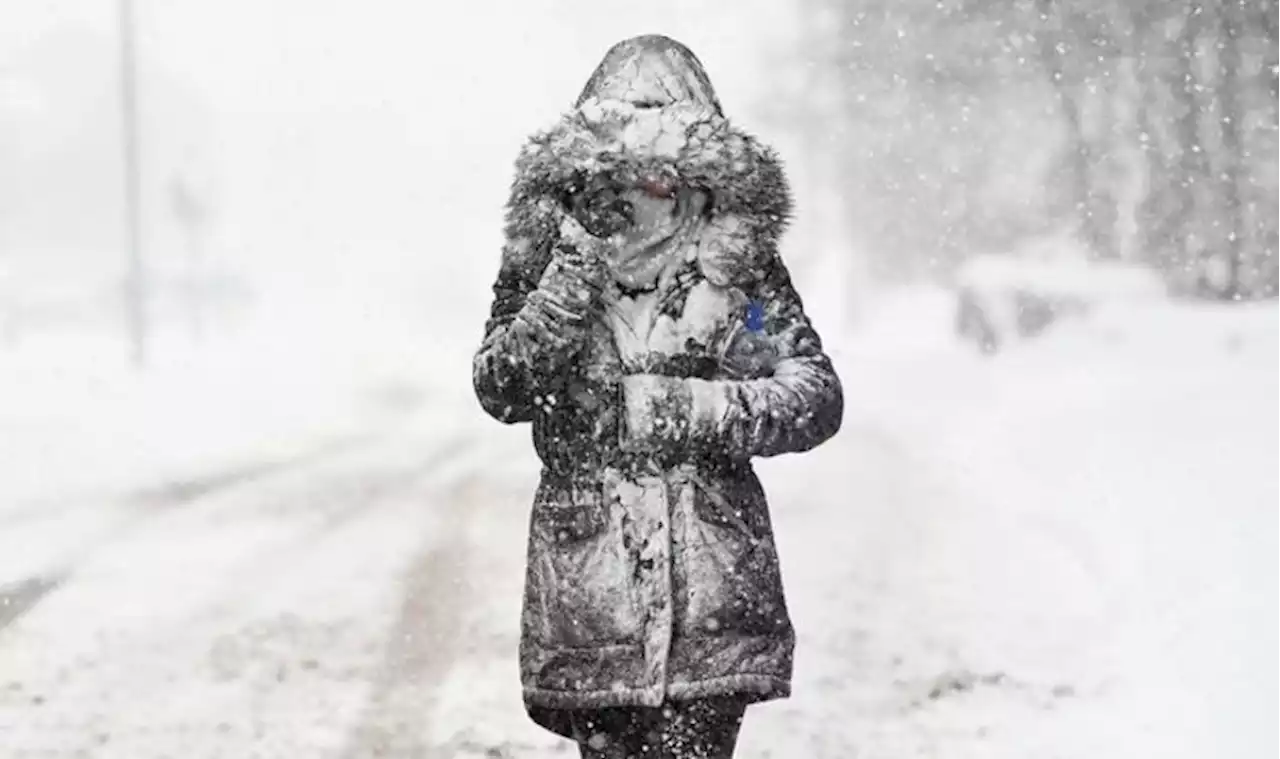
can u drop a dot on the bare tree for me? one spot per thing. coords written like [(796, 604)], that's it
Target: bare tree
[(1166, 117), (1230, 119), (1069, 39)]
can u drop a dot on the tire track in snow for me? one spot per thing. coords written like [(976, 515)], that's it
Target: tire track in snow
[(419, 651), (183, 491), (18, 598), (328, 497), (436, 631)]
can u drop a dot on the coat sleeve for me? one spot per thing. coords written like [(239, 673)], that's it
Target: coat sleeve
[(547, 291), (797, 406)]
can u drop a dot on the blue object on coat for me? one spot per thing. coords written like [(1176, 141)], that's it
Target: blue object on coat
[(755, 316)]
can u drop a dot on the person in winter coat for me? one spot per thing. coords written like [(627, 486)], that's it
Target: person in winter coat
[(645, 325)]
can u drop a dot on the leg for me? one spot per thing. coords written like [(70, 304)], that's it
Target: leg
[(702, 729)]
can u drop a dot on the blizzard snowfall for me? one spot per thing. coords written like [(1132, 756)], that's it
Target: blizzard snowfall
[(1067, 549), (302, 538)]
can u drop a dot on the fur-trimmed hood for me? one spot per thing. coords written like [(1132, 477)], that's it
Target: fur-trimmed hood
[(649, 112)]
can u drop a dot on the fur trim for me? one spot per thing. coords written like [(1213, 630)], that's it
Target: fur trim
[(695, 147)]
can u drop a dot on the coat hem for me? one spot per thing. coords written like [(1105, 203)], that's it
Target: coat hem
[(758, 687)]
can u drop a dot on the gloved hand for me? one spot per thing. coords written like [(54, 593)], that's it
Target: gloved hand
[(596, 398), (569, 295)]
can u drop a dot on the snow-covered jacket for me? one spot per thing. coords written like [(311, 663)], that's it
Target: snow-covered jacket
[(652, 570)]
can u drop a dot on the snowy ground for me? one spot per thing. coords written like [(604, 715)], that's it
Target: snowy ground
[(1066, 550)]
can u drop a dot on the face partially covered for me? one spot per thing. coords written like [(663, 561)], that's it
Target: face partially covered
[(651, 102), (654, 207), (663, 218)]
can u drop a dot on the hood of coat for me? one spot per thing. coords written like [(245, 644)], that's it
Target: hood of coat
[(649, 112), (651, 71)]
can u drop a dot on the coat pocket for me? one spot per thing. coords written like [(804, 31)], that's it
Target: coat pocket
[(565, 525), (584, 594), (736, 512), (730, 572)]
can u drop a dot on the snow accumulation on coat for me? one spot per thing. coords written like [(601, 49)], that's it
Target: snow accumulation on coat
[(652, 572)]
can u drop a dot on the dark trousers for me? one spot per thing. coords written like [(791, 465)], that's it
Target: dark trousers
[(698, 729)]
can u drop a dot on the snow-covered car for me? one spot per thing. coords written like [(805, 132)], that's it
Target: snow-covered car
[(1004, 299)]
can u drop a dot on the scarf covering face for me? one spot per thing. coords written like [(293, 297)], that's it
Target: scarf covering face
[(645, 96), (664, 227)]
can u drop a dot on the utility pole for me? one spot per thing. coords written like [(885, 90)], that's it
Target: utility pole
[(136, 284)]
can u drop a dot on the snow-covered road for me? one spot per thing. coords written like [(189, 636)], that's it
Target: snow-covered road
[(1066, 551), (248, 610), (360, 601)]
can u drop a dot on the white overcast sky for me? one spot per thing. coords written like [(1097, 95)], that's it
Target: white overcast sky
[(321, 126)]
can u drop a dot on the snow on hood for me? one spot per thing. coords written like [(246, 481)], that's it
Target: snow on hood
[(647, 93), (651, 71)]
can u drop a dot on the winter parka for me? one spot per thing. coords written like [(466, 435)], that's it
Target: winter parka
[(652, 571)]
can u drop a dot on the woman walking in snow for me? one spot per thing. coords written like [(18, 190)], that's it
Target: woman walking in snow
[(644, 323)]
